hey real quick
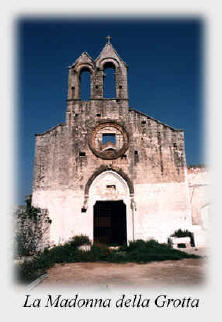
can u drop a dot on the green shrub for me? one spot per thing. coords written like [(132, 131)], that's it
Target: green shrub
[(138, 251), (141, 251), (100, 252), (181, 233), (33, 227), (29, 271), (137, 244), (22, 247), (80, 240)]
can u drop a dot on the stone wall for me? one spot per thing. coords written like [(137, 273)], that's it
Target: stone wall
[(63, 158)]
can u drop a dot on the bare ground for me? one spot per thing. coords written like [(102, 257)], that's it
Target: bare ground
[(182, 272)]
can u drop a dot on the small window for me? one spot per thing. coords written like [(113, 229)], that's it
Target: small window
[(73, 91), (109, 137), (98, 114), (82, 154), (143, 122), (136, 156), (111, 186)]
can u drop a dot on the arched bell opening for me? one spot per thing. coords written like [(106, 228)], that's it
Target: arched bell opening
[(109, 80), (85, 84)]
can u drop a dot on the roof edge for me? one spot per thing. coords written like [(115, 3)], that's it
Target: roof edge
[(50, 130), (152, 118), (76, 61)]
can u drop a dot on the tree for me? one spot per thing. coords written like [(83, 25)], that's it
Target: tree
[(33, 229)]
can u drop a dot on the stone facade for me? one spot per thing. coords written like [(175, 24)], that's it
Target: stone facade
[(144, 164)]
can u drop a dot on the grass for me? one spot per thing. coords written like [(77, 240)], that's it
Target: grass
[(138, 252)]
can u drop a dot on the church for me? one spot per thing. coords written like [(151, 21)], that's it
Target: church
[(110, 172)]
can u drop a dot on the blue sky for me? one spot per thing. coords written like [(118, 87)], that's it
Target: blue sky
[(165, 80)]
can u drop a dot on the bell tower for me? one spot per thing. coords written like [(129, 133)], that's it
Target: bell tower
[(107, 58)]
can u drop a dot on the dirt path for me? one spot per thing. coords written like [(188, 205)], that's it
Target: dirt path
[(181, 272)]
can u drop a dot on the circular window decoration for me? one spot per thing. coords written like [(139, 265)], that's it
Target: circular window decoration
[(109, 140)]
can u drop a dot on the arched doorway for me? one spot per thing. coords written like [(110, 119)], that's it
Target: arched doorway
[(109, 222), (109, 201)]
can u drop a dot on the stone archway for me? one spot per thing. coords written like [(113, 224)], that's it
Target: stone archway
[(109, 207), (101, 170)]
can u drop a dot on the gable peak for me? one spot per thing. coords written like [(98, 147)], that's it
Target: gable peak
[(84, 57), (109, 51)]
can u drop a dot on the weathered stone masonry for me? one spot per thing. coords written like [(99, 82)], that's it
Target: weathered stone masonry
[(145, 167)]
